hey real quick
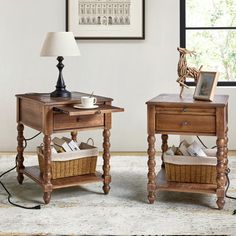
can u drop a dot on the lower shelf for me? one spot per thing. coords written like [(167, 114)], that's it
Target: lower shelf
[(164, 185), (34, 173)]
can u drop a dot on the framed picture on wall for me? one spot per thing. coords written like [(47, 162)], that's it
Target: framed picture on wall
[(206, 85), (106, 19)]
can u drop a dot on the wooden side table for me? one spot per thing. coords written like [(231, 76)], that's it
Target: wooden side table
[(51, 115), (169, 114)]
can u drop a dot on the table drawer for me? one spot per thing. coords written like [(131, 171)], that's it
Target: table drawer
[(64, 121), (185, 110), (186, 123)]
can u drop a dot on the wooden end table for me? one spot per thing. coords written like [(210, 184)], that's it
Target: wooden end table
[(170, 114), (51, 115)]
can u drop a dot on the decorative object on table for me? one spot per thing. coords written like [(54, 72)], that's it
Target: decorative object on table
[(87, 102), (60, 44), (206, 86), (107, 19), (184, 71)]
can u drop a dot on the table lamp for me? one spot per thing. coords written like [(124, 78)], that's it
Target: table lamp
[(60, 44)]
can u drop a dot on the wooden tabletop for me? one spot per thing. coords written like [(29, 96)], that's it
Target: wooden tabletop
[(174, 99), (47, 100)]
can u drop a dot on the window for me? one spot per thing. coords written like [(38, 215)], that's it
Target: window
[(209, 28)]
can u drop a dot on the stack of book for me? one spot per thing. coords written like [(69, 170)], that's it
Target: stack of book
[(186, 149), (64, 145)]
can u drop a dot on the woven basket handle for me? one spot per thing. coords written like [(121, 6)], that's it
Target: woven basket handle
[(90, 139)]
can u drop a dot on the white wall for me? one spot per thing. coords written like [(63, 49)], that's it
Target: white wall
[(131, 72)]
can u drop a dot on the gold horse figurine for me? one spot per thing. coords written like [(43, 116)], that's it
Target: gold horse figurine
[(184, 71)]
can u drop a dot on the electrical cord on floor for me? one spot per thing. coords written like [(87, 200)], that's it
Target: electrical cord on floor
[(227, 176), (228, 184), (9, 194)]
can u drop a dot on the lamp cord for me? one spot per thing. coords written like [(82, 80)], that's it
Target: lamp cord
[(227, 171), (9, 194), (204, 144)]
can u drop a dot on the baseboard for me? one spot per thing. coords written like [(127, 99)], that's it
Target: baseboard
[(125, 153), (120, 153)]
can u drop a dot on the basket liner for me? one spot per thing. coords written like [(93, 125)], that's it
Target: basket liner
[(210, 160), (86, 151)]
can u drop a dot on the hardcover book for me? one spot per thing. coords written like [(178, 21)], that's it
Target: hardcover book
[(195, 150), (62, 143), (72, 144)]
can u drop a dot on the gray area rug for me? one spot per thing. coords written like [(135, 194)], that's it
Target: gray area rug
[(85, 210)]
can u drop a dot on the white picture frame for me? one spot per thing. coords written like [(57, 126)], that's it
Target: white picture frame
[(106, 19), (206, 85)]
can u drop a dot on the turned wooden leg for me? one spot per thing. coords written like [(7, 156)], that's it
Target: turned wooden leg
[(20, 151), (164, 148), (226, 149), (47, 197), (47, 169), (220, 168), (74, 135), (106, 161), (151, 169)]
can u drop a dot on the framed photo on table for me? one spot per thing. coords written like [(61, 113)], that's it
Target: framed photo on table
[(106, 19), (206, 85)]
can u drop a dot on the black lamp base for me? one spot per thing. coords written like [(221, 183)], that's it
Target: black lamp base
[(58, 93)]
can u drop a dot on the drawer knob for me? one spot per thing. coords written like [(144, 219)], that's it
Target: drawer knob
[(185, 123), (184, 109), (78, 119)]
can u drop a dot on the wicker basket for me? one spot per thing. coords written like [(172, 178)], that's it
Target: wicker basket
[(71, 163), (189, 169)]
